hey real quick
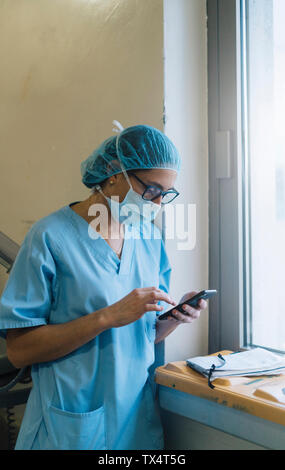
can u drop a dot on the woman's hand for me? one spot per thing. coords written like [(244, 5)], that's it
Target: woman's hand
[(191, 313), (134, 305)]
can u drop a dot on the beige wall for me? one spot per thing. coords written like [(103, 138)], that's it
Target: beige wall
[(185, 45), (68, 68)]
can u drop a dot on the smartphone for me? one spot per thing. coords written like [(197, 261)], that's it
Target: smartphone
[(193, 302)]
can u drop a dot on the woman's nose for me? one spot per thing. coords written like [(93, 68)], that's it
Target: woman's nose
[(157, 200)]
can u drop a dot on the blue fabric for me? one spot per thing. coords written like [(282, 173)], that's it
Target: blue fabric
[(139, 147), (101, 395)]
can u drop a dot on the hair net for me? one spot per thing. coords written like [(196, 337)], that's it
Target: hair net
[(134, 148)]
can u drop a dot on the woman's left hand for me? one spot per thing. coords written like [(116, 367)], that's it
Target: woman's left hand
[(191, 313)]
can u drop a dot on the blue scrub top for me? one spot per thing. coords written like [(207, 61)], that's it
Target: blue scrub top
[(101, 395)]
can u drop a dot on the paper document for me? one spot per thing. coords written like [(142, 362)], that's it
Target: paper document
[(256, 361)]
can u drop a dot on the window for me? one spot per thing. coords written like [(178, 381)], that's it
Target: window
[(246, 81), (263, 57)]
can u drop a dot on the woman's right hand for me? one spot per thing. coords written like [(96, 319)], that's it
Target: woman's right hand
[(134, 305)]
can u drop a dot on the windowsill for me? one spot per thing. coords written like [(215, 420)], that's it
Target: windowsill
[(234, 406)]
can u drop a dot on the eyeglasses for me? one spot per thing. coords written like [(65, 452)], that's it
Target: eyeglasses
[(152, 192)]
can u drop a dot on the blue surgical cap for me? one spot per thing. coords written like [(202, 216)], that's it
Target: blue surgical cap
[(138, 147)]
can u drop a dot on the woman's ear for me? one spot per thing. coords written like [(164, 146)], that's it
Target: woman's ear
[(112, 180)]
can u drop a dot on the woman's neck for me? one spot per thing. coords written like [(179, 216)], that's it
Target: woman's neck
[(83, 209)]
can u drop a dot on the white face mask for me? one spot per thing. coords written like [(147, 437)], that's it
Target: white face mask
[(132, 208)]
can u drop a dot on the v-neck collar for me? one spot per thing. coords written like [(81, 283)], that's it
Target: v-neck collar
[(97, 243)]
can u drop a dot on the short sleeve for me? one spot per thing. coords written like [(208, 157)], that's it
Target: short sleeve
[(27, 296), (164, 275)]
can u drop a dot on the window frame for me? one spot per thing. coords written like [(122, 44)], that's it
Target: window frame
[(228, 261)]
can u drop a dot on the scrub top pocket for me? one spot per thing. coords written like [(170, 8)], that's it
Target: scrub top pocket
[(76, 431)]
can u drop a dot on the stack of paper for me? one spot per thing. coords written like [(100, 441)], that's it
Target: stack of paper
[(256, 361)]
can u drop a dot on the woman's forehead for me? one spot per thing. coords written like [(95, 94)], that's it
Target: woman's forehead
[(156, 173)]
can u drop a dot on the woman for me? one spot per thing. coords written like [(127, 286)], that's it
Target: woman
[(81, 307)]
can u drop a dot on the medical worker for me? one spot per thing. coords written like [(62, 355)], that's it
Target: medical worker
[(81, 304)]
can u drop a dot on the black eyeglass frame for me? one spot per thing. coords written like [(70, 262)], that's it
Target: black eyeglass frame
[(161, 193)]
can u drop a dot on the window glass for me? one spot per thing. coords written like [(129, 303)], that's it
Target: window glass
[(263, 49)]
